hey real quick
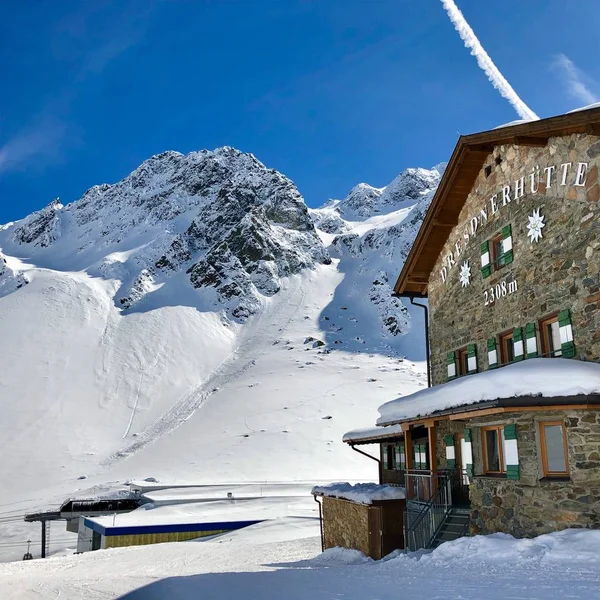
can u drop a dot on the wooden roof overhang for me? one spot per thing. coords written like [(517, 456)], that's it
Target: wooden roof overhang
[(504, 405), (390, 437), (467, 160)]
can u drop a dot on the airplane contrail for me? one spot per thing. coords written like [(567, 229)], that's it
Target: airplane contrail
[(485, 62)]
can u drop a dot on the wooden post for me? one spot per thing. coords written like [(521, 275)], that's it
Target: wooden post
[(408, 480), (43, 539), (431, 437), (408, 449)]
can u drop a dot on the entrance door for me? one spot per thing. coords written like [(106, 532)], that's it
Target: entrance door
[(461, 488)]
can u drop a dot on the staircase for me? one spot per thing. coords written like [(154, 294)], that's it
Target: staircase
[(455, 525)]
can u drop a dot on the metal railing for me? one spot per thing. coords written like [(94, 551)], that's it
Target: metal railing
[(422, 524)]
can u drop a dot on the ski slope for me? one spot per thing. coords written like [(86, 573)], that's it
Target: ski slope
[(171, 386)]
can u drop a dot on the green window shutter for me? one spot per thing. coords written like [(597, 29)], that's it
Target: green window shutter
[(511, 452), (468, 466), (451, 362), (513, 472), (567, 345), (486, 263), (492, 353), (402, 462), (564, 317), (507, 248), (471, 359), (450, 451), (518, 348), (384, 459), (530, 341)]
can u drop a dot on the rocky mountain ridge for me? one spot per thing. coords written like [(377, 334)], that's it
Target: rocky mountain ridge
[(234, 227), (222, 223)]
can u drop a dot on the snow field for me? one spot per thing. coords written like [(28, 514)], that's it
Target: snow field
[(281, 559)]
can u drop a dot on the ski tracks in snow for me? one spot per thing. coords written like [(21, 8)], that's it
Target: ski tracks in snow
[(255, 339)]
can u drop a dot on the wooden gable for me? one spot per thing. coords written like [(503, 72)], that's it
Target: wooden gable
[(467, 160)]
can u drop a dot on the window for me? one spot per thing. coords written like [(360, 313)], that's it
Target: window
[(497, 252), (553, 438), (498, 258), (550, 336), (507, 349), (463, 361), (420, 455), (388, 457), (493, 450), (400, 458)]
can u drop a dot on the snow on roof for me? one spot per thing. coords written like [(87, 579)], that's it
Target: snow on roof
[(588, 107), (371, 432), (206, 512), (361, 493), (534, 377)]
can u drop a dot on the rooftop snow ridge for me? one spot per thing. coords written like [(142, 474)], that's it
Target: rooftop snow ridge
[(544, 377)]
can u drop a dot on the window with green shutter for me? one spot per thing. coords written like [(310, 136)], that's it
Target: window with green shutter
[(507, 247), (531, 349), (471, 359), (492, 353), (556, 335), (567, 345), (400, 458), (451, 363), (518, 347), (497, 252), (486, 262)]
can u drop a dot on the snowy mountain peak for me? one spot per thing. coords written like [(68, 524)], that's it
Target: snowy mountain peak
[(221, 217)]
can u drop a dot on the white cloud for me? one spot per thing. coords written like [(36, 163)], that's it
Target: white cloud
[(485, 62), (42, 140), (577, 82)]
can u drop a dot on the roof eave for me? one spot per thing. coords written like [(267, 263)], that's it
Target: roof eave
[(513, 402)]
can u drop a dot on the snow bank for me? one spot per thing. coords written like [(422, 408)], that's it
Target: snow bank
[(340, 556), (371, 432), (361, 493), (568, 546), (534, 377)]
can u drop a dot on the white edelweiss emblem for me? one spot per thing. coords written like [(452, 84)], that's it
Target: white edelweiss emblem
[(465, 274), (535, 226)]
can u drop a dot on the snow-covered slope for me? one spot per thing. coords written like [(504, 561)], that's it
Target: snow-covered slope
[(371, 232), (190, 324)]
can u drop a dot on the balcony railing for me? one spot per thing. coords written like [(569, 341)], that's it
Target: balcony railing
[(422, 522)]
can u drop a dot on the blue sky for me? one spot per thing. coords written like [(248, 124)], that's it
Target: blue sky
[(330, 92)]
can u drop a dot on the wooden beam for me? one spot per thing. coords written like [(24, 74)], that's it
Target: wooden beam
[(475, 413), (519, 409), (593, 129), (430, 423), (408, 448), (525, 140), (433, 466), (550, 407)]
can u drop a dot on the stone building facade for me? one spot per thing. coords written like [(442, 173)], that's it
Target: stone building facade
[(559, 271), (533, 504), (508, 257)]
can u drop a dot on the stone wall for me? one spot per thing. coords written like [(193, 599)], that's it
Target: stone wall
[(560, 271), (531, 505), (446, 428), (345, 524)]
